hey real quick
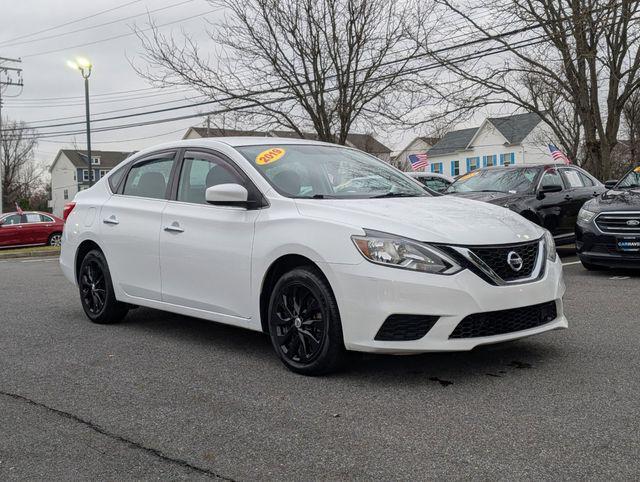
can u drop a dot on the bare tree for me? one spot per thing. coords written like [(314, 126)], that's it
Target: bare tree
[(323, 65), (572, 62), (631, 117), (21, 174)]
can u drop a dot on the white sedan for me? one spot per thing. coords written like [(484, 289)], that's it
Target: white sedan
[(255, 232)]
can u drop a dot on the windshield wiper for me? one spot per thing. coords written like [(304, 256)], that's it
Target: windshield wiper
[(393, 194)]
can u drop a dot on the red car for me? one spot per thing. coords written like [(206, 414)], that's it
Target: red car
[(30, 228)]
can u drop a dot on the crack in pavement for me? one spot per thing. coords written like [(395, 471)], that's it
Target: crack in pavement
[(155, 452)]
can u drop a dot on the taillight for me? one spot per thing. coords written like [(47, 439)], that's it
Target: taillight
[(67, 210)]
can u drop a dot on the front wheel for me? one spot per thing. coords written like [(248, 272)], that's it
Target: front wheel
[(304, 323), (96, 290)]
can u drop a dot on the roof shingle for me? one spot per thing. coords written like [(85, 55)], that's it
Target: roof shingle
[(108, 159)]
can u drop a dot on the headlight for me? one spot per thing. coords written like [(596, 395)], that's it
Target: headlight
[(550, 246), (585, 216), (397, 252)]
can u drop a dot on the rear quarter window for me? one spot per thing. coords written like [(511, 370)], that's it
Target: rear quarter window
[(115, 178)]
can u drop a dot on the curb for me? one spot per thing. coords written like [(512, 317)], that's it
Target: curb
[(33, 254)]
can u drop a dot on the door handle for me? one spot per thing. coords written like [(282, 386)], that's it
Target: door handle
[(111, 220), (174, 228)]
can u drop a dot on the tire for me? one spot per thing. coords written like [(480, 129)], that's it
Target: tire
[(304, 323), (96, 290), (55, 239)]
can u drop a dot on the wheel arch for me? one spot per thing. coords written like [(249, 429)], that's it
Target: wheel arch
[(84, 247), (276, 269)]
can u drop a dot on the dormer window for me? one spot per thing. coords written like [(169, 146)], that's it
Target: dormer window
[(95, 160)]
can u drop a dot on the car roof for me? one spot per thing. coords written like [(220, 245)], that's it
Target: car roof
[(11, 213), (530, 165), (237, 141)]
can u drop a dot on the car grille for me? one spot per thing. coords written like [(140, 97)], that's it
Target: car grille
[(619, 223), (505, 321), (496, 257), (405, 327)]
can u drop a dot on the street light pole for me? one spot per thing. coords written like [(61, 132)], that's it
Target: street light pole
[(86, 101), (85, 66)]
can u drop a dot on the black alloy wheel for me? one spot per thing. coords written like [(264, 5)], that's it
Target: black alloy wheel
[(300, 323), (304, 323), (96, 290), (92, 287)]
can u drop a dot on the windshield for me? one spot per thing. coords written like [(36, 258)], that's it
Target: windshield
[(319, 172), (507, 180), (630, 180)]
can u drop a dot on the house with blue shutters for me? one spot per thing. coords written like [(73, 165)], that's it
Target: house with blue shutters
[(70, 173), (498, 141)]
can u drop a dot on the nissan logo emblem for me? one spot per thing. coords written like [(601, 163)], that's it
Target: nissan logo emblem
[(633, 222), (514, 260)]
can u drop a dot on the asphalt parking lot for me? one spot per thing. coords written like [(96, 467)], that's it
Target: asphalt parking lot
[(162, 396)]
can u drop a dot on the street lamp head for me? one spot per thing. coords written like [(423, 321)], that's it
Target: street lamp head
[(82, 64)]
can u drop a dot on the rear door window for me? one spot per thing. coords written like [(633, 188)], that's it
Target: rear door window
[(33, 218), (149, 178), (573, 178)]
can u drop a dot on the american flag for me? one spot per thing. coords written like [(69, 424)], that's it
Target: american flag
[(558, 155), (418, 161)]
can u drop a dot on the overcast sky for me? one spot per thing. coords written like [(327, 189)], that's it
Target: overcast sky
[(34, 30)]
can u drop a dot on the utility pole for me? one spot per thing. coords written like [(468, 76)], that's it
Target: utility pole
[(9, 76)]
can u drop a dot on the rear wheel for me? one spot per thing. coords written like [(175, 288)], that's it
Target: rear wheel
[(304, 323), (96, 290), (55, 239)]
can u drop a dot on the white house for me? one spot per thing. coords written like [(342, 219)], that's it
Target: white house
[(70, 173), (419, 145), (364, 142), (516, 139)]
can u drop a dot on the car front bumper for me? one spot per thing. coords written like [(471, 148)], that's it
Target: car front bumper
[(368, 294), (597, 248)]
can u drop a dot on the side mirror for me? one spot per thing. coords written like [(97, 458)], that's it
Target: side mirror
[(611, 183), (227, 195), (548, 188)]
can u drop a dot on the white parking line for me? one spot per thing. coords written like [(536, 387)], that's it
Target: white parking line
[(45, 260), (570, 263)]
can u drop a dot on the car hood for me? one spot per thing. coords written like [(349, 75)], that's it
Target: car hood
[(441, 219), (616, 200), (498, 197)]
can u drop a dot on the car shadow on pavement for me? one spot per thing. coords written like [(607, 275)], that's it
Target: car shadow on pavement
[(442, 369), (450, 368)]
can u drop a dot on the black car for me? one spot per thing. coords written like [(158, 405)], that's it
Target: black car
[(550, 195), (608, 228)]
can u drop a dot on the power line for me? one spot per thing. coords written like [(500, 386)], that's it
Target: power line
[(107, 101), (70, 22), (115, 37), (76, 97), (91, 27)]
